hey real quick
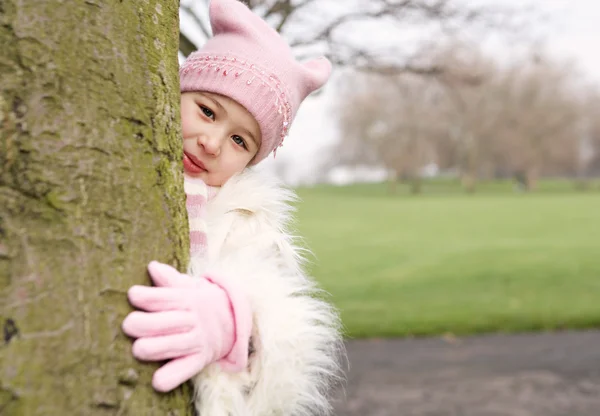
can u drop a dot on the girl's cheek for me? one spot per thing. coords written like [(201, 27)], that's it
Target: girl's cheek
[(186, 117), (185, 125), (184, 129)]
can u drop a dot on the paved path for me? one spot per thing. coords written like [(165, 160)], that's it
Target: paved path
[(498, 375)]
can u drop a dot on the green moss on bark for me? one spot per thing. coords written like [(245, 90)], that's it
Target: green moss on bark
[(90, 191)]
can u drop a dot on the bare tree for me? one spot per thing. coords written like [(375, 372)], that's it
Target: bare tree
[(542, 122), (385, 125), (590, 151), (470, 109), (447, 119), (330, 27), (594, 164)]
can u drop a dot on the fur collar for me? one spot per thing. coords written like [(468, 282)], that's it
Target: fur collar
[(254, 192)]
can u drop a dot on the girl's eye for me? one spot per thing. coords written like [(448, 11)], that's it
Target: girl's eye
[(207, 112), (239, 141)]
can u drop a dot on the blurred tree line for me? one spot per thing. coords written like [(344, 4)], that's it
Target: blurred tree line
[(480, 119)]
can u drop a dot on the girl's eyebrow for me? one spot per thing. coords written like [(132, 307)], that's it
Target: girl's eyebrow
[(249, 133), (218, 104)]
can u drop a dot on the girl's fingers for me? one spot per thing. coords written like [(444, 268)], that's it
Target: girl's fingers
[(177, 371), (143, 324), (165, 347), (164, 275), (156, 299)]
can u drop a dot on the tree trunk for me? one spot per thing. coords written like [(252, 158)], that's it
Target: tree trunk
[(531, 179), (90, 191), (393, 182), (416, 184), (470, 167), (469, 182)]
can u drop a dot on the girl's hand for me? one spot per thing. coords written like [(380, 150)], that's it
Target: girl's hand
[(186, 320)]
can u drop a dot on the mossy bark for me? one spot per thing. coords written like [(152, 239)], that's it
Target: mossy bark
[(90, 192)]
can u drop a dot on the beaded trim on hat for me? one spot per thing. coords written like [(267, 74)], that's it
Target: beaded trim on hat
[(227, 64)]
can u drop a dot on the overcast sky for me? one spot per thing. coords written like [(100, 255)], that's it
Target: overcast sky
[(574, 34)]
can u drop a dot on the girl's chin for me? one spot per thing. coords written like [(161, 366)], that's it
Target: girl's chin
[(193, 175), (210, 181)]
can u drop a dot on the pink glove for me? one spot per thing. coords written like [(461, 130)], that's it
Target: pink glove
[(190, 321)]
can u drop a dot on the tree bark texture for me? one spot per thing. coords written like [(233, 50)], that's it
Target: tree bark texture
[(90, 192)]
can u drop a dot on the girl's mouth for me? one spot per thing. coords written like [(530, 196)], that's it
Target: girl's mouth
[(192, 165)]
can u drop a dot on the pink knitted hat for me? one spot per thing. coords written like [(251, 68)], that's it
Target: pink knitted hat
[(249, 62)]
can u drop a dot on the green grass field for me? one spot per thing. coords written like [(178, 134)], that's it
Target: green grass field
[(447, 262)]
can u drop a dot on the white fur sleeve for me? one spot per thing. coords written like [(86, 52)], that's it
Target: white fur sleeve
[(296, 345)]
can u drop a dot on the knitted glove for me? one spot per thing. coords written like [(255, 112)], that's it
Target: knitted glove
[(190, 321)]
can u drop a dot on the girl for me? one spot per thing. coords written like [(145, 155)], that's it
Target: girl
[(246, 327)]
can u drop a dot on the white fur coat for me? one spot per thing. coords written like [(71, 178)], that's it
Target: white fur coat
[(296, 346)]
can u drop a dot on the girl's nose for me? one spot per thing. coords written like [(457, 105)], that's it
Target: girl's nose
[(210, 143)]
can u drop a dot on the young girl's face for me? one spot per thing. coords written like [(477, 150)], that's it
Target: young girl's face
[(220, 137)]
